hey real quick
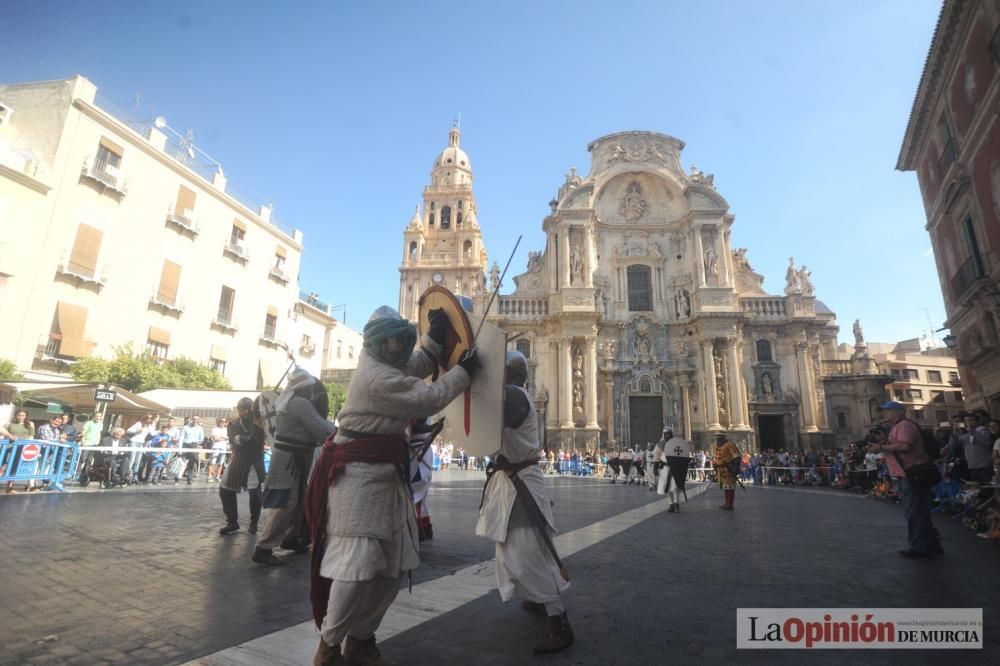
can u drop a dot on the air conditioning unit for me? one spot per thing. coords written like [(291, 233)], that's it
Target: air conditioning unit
[(6, 113)]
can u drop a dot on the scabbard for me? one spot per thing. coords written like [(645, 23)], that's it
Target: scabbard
[(535, 513)]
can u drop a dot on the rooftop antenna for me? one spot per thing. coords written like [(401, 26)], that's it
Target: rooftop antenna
[(930, 326)]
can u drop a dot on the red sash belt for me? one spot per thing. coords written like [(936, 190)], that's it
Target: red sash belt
[(332, 460)]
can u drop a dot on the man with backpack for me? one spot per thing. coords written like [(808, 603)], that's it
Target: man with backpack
[(905, 457)]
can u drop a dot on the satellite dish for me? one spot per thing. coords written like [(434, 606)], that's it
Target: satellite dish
[(160, 122)]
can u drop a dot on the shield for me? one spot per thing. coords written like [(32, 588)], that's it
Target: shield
[(460, 337), (477, 422)]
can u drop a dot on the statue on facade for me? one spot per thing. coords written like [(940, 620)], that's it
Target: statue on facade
[(859, 334), (534, 262), (740, 259), (541, 395), (682, 304), (578, 396), (711, 263), (805, 282), (632, 205), (642, 346), (575, 263), (494, 276), (767, 384), (578, 363), (717, 358), (602, 303), (792, 284), (653, 250)]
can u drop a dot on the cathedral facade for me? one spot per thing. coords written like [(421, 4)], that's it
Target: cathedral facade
[(638, 313)]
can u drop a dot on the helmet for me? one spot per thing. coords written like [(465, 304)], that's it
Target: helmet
[(384, 312), (517, 368), (244, 403)]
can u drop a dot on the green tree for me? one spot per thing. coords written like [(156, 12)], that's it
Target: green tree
[(8, 370), (337, 393), (141, 372)]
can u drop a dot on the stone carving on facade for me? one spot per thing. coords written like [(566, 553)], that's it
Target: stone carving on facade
[(631, 246), (711, 264), (643, 345), (577, 380), (792, 280), (534, 262), (682, 304), (633, 152), (859, 333), (632, 206), (541, 395), (805, 282), (494, 276), (701, 178), (578, 299), (575, 263), (601, 302), (740, 259), (677, 243), (653, 250), (767, 387), (609, 350)]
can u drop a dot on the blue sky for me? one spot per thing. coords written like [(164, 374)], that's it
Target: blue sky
[(335, 112)]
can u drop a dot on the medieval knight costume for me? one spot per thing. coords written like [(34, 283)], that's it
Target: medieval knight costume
[(726, 460), (517, 514), (360, 509), (677, 455), (422, 434), (302, 426), (245, 469)]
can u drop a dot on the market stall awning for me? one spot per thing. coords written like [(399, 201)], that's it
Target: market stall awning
[(80, 396), (206, 403)]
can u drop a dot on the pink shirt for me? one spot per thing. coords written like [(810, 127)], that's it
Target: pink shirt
[(906, 442)]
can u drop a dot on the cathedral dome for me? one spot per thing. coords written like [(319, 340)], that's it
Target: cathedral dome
[(453, 156)]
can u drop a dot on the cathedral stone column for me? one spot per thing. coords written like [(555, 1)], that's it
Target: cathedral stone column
[(564, 256), (699, 257), (566, 383), (686, 399), (551, 264), (806, 387), (711, 391), (737, 404), (588, 251), (590, 384), (610, 408)]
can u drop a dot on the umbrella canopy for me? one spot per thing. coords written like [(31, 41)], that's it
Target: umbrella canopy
[(80, 396)]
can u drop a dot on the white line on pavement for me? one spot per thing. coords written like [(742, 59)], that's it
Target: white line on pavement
[(297, 644)]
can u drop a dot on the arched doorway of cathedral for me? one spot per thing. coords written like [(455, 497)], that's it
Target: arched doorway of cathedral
[(771, 431), (645, 415)]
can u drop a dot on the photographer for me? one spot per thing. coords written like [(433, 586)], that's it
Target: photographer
[(904, 450)]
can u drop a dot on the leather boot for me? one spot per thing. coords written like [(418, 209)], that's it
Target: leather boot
[(560, 635), (677, 507), (363, 653), (671, 509), (265, 556), (327, 655)]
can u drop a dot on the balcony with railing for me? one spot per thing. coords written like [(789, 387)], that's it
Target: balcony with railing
[(169, 303), (236, 251), (970, 271), (278, 274), (183, 220), (50, 350), (837, 367), (83, 274), (764, 306), (312, 300), (511, 307), (105, 176), (224, 320)]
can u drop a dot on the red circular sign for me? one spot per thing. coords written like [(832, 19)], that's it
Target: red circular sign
[(30, 452)]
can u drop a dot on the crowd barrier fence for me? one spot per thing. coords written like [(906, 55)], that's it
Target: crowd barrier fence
[(26, 460)]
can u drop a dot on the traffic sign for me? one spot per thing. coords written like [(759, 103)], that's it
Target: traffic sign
[(105, 395), (30, 452)]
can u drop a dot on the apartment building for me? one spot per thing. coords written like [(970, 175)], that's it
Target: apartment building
[(926, 381), (118, 231)]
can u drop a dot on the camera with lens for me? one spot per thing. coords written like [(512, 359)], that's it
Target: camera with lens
[(857, 449)]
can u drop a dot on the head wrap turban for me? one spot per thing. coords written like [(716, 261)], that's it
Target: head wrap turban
[(379, 331)]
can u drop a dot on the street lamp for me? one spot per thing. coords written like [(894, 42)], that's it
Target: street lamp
[(950, 341)]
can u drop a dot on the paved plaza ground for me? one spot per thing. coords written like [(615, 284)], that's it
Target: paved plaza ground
[(140, 577)]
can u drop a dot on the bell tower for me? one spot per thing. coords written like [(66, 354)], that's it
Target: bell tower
[(443, 244)]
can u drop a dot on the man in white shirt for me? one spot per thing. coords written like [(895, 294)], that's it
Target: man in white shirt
[(220, 447)]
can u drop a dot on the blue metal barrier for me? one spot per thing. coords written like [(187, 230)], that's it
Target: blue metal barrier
[(26, 460)]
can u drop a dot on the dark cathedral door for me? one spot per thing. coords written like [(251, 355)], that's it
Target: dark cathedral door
[(645, 420)]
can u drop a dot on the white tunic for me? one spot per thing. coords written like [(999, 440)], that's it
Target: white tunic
[(525, 567), (371, 529)]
